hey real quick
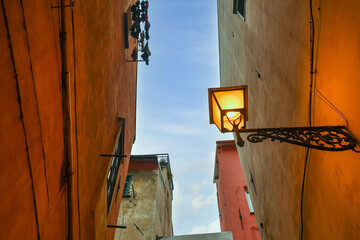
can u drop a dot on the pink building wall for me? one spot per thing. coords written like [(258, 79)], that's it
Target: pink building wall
[(233, 207)]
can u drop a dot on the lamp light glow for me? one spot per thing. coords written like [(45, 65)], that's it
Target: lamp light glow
[(233, 115)]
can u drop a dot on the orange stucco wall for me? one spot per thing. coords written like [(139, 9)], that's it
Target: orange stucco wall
[(232, 201), (31, 135), (275, 42)]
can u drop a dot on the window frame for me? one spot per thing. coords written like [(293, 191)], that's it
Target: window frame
[(236, 9), (113, 173), (249, 202)]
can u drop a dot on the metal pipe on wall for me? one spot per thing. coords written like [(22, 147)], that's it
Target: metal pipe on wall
[(66, 111)]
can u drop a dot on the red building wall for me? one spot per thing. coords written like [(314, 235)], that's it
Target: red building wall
[(231, 186)]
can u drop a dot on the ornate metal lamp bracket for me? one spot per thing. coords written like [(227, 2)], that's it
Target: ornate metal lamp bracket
[(328, 138)]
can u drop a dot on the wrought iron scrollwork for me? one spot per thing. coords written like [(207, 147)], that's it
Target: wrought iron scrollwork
[(329, 138)]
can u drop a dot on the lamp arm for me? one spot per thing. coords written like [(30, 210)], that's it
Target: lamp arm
[(328, 138), (240, 142)]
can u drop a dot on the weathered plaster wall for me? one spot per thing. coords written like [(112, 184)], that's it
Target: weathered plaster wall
[(232, 201), (275, 41), (163, 225), (141, 208), (31, 134), (150, 209)]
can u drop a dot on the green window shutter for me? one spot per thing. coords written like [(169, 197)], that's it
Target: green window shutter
[(126, 192)]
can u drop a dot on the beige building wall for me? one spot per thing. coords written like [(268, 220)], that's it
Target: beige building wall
[(163, 226), (274, 41), (147, 214)]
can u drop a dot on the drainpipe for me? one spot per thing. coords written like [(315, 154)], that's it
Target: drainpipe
[(66, 111)]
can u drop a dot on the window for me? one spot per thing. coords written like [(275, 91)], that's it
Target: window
[(114, 168), (239, 8), (248, 199), (126, 192)]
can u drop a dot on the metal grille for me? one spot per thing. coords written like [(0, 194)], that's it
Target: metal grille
[(114, 169)]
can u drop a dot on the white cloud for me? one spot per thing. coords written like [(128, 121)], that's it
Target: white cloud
[(196, 188), (194, 202), (213, 226), (201, 166), (201, 201)]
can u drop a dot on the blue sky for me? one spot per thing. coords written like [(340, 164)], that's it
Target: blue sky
[(172, 108)]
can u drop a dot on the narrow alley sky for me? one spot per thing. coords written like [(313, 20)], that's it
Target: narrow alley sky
[(172, 108)]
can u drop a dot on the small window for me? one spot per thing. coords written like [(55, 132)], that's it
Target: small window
[(239, 8), (248, 199), (126, 192)]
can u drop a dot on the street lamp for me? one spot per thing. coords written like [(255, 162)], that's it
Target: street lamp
[(228, 110)]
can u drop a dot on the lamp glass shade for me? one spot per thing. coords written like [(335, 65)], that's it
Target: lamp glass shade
[(216, 113), (230, 99), (228, 107)]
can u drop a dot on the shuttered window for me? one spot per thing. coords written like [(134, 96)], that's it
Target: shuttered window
[(126, 192), (240, 8)]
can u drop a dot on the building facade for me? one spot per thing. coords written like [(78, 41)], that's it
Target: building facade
[(204, 236), (68, 95), (146, 208), (267, 46), (236, 212)]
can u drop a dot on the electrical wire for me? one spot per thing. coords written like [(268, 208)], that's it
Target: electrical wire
[(76, 129), (36, 102), (331, 105), (316, 61), (21, 116), (312, 36), (312, 72), (302, 194), (316, 91)]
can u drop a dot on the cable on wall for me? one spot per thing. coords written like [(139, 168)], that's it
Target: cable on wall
[(312, 72), (21, 116), (331, 105), (36, 101), (302, 194), (316, 91), (76, 126)]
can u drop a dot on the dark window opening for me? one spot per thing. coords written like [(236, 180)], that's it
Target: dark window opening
[(239, 8)]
